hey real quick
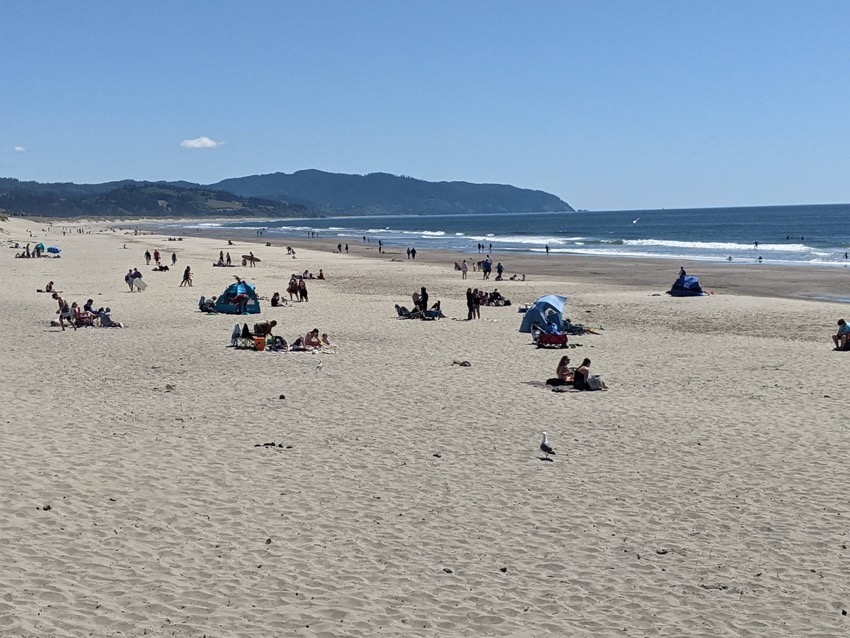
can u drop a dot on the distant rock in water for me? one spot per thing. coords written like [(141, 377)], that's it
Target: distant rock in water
[(382, 194)]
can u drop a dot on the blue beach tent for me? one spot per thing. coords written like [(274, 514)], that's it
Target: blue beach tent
[(225, 301), (549, 309), (687, 286)]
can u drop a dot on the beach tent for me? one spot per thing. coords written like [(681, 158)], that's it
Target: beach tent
[(54, 249), (225, 301), (549, 309), (687, 286)]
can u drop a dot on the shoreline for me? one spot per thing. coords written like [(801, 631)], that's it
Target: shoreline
[(809, 282)]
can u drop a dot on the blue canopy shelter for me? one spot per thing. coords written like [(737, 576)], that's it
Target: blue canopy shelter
[(548, 310), (687, 286), (226, 304)]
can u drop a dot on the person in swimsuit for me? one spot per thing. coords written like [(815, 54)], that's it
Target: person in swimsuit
[(65, 313), (563, 374), (312, 339), (581, 376)]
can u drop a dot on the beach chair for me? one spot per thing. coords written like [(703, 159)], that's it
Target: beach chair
[(241, 338)]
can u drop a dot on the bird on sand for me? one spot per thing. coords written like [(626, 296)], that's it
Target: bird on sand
[(545, 447), (320, 366)]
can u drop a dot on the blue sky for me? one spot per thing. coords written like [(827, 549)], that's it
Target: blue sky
[(609, 105)]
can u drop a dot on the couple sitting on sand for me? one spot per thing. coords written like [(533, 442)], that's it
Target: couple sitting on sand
[(579, 378)]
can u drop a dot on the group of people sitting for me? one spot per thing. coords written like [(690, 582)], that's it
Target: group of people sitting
[(421, 309), (27, 253), (86, 316), (312, 341), (308, 275), (494, 298), (579, 378)]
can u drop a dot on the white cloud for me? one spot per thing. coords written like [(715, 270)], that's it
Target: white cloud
[(201, 142), (20, 149)]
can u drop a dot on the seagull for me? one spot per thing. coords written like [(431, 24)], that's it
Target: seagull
[(635, 221), (320, 366), (545, 447)]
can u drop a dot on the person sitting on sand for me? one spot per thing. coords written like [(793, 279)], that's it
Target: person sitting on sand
[(49, 287), (106, 319), (841, 337), (563, 373), (321, 274), (581, 376), (275, 300), (326, 341), (312, 340)]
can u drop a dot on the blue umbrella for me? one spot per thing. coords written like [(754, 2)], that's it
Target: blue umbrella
[(54, 249)]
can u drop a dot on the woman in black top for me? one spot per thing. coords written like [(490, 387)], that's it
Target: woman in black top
[(423, 300), (581, 375)]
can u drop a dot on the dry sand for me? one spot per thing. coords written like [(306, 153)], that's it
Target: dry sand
[(705, 494)]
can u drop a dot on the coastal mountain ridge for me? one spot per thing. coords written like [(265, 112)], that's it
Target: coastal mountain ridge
[(306, 193)]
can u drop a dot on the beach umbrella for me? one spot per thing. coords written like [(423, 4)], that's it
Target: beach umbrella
[(54, 249)]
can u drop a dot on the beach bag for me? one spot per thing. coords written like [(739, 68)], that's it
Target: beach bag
[(595, 383)]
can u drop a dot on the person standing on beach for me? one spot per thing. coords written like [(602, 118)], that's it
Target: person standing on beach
[(408, 252), (346, 249), (251, 260), (470, 304), (173, 259), (227, 259), (128, 279), (463, 269), (187, 278), (156, 256), (499, 270), (547, 250), (413, 253), (339, 248), (147, 258)]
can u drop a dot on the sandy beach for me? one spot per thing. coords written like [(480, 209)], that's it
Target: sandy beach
[(704, 494)]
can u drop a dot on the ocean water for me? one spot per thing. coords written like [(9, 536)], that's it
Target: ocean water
[(785, 234)]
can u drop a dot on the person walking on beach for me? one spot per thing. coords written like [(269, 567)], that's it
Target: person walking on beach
[(173, 259), (227, 259), (128, 279), (251, 260), (547, 250), (346, 249), (408, 252), (499, 270), (413, 253), (64, 312), (147, 258), (156, 256), (187, 278), (463, 269)]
